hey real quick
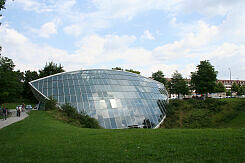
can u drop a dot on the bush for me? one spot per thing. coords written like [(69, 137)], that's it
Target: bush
[(70, 111), (51, 104), (84, 120)]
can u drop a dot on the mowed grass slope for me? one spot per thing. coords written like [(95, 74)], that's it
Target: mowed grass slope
[(40, 138)]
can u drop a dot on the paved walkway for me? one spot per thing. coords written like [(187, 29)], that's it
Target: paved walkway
[(13, 119)]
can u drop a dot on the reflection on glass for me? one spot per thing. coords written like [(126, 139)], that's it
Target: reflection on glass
[(116, 99)]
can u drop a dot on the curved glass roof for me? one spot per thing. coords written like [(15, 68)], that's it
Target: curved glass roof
[(117, 99)]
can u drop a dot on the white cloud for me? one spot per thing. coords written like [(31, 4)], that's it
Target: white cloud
[(166, 69), (93, 50), (191, 42), (47, 29), (46, 6), (25, 54), (74, 29), (105, 51), (147, 35), (33, 5), (221, 43), (208, 7)]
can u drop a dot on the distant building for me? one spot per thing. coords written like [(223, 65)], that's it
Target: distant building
[(228, 83)]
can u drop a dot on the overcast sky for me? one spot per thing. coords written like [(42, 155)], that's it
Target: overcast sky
[(146, 35)]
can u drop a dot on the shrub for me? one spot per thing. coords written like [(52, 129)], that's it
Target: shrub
[(69, 110), (84, 120), (51, 104)]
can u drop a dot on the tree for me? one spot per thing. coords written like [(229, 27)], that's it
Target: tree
[(29, 76), (50, 69), (158, 76), (169, 87), (133, 71), (235, 87), (238, 88), (204, 79), (179, 85), (10, 81), (2, 3), (219, 87), (243, 89)]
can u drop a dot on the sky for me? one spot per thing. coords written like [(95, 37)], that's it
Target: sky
[(144, 35)]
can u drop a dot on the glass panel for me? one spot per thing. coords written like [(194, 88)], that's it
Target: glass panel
[(123, 97), (113, 123), (107, 123), (50, 92), (61, 99), (55, 92)]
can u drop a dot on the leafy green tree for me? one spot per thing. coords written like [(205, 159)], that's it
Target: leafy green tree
[(50, 69), (243, 89), (204, 79), (2, 3), (133, 71), (219, 87), (235, 87), (179, 85), (238, 88), (29, 76), (158, 76), (169, 87), (10, 81), (228, 93)]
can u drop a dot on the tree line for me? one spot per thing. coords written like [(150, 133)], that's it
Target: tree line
[(14, 85), (203, 81)]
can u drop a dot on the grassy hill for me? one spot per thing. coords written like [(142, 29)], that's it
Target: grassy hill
[(41, 138), (211, 113)]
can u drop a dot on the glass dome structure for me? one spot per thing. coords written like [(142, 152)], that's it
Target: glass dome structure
[(117, 99)]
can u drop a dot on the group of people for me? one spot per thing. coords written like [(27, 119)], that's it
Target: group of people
[(4, 112)]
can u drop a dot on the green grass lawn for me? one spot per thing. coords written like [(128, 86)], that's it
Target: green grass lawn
[(40, 138)]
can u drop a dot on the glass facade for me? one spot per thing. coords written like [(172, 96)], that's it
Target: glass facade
[(117, 99)]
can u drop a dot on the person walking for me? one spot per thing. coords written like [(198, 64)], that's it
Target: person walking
[(1, 111), (18, 111), (4, 113)]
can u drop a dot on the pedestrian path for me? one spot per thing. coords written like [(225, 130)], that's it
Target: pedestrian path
[(12, 119)]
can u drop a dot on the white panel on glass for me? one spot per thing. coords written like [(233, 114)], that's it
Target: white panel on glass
[(103, 104), (113, 103)]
